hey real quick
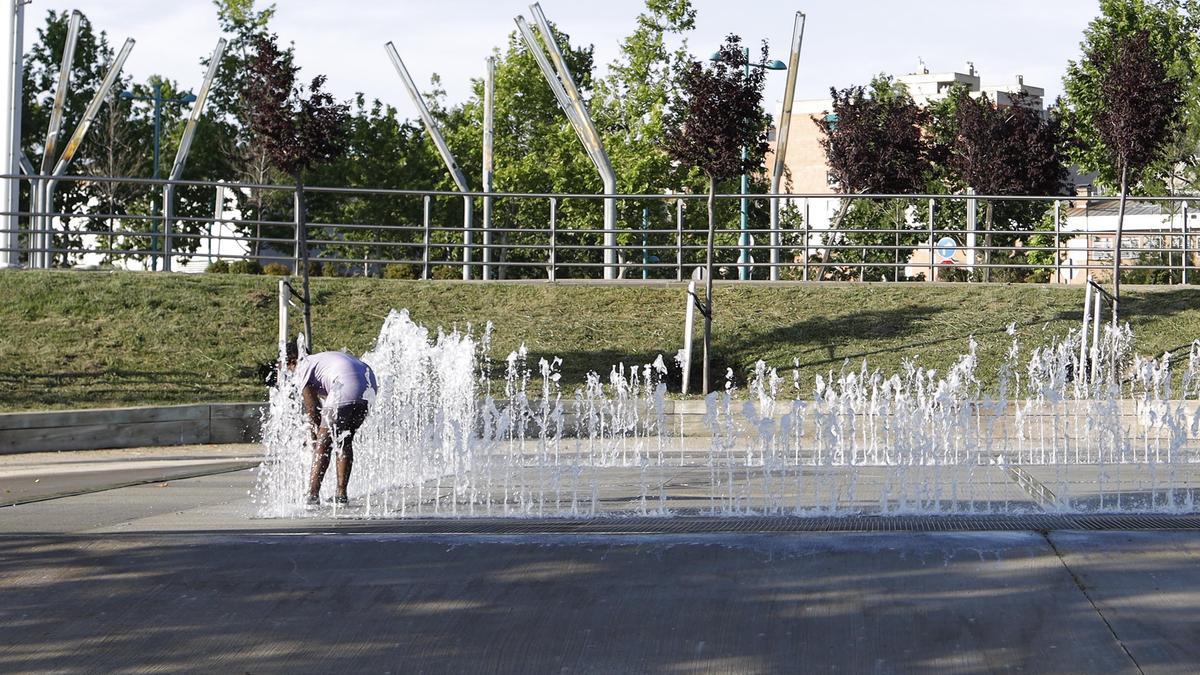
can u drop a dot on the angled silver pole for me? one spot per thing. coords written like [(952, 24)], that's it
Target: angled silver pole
[(587, 135), (54, 130), (189, 131), (556, 87), (460, 179), (781, 138), (50, 153), (185, 145), (89, 116), (12, 21), (489, 136)]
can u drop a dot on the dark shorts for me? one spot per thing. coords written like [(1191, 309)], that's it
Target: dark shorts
[(347, 420)]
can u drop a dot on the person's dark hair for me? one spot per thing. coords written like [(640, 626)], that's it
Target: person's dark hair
[(293, 351)]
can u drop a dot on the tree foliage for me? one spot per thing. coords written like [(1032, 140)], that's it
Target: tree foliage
[(874, 143), (1140, 110), (298, 129), (1170, 34), (1140, 102), (717, 125), (718, 114)]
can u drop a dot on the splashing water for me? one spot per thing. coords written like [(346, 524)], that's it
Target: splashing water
[(1046, 438)]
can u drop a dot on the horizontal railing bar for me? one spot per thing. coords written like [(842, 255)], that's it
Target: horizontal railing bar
[(587, 196)]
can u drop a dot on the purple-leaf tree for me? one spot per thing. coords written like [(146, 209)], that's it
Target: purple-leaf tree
[(298, 130), (717, 124), (1010, 150), (1140, 111), (873, 144)]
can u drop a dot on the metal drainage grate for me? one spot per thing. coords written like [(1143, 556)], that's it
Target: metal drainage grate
[(778, 524)]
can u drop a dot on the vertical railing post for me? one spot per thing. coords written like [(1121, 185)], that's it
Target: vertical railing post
[(679, 240), (1058, 241), (896, 251), (932, 243), (645, 243), (1187, 251), (296, 238), (168, 216), (807, 226), (35, 209), (468, 205), (552, 273), (425, 239)]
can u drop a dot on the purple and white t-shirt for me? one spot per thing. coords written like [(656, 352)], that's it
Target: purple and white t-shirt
[(340, 379)]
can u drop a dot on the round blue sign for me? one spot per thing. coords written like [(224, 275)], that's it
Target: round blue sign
[(946, 248)]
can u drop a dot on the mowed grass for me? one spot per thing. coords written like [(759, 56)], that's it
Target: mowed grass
[(101, 339)]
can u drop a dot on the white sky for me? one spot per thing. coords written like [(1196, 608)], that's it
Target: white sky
[(846, 41)]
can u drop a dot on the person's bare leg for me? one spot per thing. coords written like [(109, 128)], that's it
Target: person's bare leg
[(321, 452), (345, 462)]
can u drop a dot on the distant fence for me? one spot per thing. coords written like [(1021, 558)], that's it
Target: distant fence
[(188, 225)]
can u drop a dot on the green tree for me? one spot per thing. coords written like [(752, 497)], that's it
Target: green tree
[(630, 106), (381, 151), (535, 150), (40, 82), (1171, 28), (225, 146)]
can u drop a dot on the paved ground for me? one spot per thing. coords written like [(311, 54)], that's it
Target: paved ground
[(176, 574)]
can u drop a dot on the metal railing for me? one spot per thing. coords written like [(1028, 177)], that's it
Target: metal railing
[(422, 234)]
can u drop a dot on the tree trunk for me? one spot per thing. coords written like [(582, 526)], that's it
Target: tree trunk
[(834, 225), (987, 242), (1117, 242), (708, 277), (302, 238)]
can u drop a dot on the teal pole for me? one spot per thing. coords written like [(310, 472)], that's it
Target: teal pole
[(744, 239), (645, 244)]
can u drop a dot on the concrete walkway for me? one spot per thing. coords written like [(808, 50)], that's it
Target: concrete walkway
[(176, 574)]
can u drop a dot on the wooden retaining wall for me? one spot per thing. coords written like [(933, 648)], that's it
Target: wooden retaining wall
[(129, 427)]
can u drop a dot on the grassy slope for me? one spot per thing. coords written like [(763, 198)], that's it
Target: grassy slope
[(74, 339)]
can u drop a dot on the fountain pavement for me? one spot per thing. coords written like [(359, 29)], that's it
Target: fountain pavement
[(154, 559)]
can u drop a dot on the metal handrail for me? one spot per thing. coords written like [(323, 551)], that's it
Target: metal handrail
[(674, 242)]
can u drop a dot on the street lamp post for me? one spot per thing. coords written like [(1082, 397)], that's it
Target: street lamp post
[(744, 239), (158, 101)]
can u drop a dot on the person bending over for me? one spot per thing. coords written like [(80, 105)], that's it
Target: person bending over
[(334, 388)]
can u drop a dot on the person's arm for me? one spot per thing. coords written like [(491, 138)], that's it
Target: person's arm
[(312, 407)]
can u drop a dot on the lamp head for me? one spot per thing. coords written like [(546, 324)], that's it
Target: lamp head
[(127, 95), (716, 56), (776, 65), (189, 98)]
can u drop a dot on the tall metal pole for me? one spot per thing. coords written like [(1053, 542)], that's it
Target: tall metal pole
[(431, 127), (185, 146), (158, 101), (12, 18), (89, 116), (489, 134), (584, 128), (54, 130), (781, 138)]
